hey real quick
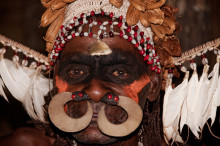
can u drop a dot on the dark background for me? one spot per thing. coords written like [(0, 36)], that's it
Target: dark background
[(20, 20)]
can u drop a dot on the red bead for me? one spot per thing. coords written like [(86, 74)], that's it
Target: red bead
[(62, 34), (142, 52), (148, 38), (116, 98), (90, 34), (130, 38), (90, 21), (62, 45), (121, 17), (192, 61), (149, 62), (65, 39), (81, 34), (158, 71), (158, 60), (51, 63), (59, 49), (142, 41), (136, 45), (121, 34), (136, 28), (102, 13), (26, 58), (109, 96), (99, 22), (149, 46), (146, 57), (75, 18), (203, 56), (82, 15), (142, 33), (170, 70), (110, 22), (111, 15), (15, 53), (73, 96), (81, 94), (111, 34), (128, 29), (72, 24), (101, 36), (135, 34), (58, 38), (61, 27), (119, 24), (67, 28), (92, 13), (48, 67), (81, 22), (38, 64), (73, 35), (155, 55), (153, 68)]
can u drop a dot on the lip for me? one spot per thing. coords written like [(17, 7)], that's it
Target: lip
[(94, 118)]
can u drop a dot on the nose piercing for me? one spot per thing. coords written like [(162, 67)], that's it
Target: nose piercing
[(110, 98)]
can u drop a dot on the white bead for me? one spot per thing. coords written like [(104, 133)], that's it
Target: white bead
[(204, 61), (150, 54), (139, 48), (216, 51), (193, 56), (193, 65), (125, 36), (204, 51), (183, 69), (69, 37), (44, 67), (104, 28), (24, 62), (210, 49), (15, 58), (37, 59), (13, 47), (33, 65), (86, 33), (132, 32), (105, 23), (95, 23), (199, 54), (115, 23), (133, 41), (76, 34)]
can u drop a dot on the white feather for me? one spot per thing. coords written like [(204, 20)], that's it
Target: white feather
[(27, 85), (15, 84), (190, 102)]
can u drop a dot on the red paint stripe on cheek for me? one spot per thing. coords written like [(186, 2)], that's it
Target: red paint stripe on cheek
[(133, 89), (61, 85)]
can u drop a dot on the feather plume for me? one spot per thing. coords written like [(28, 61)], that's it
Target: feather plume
[(26, 85)]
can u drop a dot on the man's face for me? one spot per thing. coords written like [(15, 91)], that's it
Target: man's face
[(123, 72)]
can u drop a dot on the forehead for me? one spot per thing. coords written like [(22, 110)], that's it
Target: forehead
[(83, 44)]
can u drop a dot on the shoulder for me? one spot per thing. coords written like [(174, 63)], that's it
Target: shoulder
[(26, 136)]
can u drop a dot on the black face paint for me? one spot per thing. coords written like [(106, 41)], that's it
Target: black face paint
[(119, 67)]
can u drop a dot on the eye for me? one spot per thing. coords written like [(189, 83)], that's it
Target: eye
[(74, 73), (121, 73)]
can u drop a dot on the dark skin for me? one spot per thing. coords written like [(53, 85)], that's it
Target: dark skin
[(77, 70)]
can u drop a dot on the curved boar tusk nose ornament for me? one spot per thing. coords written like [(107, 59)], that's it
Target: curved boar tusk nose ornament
[(61, 120), (135, 116)]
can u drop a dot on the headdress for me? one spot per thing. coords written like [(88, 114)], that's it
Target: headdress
[(148, 25)]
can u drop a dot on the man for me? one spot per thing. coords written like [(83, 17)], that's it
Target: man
[(100, 72)]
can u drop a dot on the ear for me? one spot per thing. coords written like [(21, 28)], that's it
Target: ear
[(155, 85)]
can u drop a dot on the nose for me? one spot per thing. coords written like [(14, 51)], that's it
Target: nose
[(96, 89)]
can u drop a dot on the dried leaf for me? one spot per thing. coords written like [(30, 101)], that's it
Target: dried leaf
[(132, 16), (116, 3), (155, 5), (158, 30), (155, 16), (138, 4), (46, 3), (68, 1), (144, 20), (49, 16), (57, 6)]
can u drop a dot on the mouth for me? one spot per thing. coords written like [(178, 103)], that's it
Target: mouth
[(94, 119)]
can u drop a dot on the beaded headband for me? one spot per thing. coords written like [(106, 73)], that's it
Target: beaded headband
[(131, 33)]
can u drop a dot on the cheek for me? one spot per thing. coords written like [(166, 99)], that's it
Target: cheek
[(61, 85), (133, 89)]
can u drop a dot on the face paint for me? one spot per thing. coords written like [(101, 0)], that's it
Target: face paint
[(61, 85), (133, 89)]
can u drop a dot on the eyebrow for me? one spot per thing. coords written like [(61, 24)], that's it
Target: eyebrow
[(117, 57)]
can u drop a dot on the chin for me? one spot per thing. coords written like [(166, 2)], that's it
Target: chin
[(92, 135)]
